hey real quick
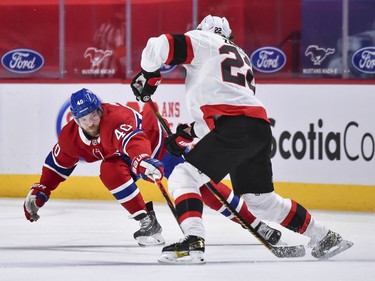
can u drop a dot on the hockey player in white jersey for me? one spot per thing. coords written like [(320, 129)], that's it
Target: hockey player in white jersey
[(234, 137)]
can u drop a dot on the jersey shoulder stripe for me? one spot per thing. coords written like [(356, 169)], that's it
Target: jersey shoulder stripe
[(180, 49)]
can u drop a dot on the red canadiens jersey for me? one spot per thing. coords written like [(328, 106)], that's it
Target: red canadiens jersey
[(219, 77), (121, 134)]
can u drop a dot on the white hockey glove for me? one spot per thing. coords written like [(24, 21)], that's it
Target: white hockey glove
[(148, 168), (36, 198)]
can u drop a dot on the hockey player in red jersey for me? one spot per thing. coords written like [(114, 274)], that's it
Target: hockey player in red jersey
[(126, 142), (110, 133), (234, 136)]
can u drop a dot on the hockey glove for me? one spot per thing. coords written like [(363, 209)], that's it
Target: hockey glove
[(144, 84), (36, 198), (177, 143), (148, 168)]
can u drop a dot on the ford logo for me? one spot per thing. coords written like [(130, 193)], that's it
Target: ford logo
[(364, 60), (22, 61), (268, 59)]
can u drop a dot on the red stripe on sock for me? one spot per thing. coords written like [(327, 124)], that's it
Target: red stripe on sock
[(186, 197), (305, 223), (190, 214), (290, 215)]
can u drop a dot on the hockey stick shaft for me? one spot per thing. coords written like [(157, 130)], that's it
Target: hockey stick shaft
[(160, 118), (167, 199), (280, 252), (159, 183), (284, 251), (241, 220)]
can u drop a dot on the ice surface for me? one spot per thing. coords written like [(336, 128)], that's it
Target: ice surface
[(93, 240)]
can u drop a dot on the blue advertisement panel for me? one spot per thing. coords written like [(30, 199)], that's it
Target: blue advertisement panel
[(321, 41)]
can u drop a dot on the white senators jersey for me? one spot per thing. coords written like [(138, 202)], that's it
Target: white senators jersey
[(219, 79)]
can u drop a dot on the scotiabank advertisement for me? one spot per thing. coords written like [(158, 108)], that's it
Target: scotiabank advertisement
[(321, 133)]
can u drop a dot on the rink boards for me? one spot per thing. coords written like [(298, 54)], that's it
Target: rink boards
[(323, 139)]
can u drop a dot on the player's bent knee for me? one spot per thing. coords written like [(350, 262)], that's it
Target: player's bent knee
[(185, 178), (268, 206)]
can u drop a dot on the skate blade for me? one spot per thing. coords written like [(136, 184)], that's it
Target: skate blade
[(149, 241), (339, 248), (194, 258)]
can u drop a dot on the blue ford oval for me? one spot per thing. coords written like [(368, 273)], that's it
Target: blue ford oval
[(364, 60), (22, 61), (268, 59)]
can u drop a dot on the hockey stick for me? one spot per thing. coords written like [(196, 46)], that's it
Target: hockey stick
[(279, 251), (158, 182), (168, 200)]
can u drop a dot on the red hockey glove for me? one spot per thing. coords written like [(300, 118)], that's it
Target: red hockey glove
[(177, 143), (36, 198), (148, 168), (144, 84)]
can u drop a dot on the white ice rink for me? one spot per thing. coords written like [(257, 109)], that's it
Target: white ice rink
[(93, 240)]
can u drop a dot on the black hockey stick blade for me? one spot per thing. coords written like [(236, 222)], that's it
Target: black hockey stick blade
[(288, 251)]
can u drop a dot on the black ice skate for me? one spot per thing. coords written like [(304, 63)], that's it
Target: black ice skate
[(150, 232), (270, 234), (331, 245), (190, 250)]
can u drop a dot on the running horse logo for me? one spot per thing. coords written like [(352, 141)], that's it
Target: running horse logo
[(96, 56), (317, 54)]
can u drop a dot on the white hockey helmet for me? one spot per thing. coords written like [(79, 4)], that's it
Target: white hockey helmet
[(215, 25)]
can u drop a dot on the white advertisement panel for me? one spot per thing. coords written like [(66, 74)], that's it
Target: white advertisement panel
[(321, 133)]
